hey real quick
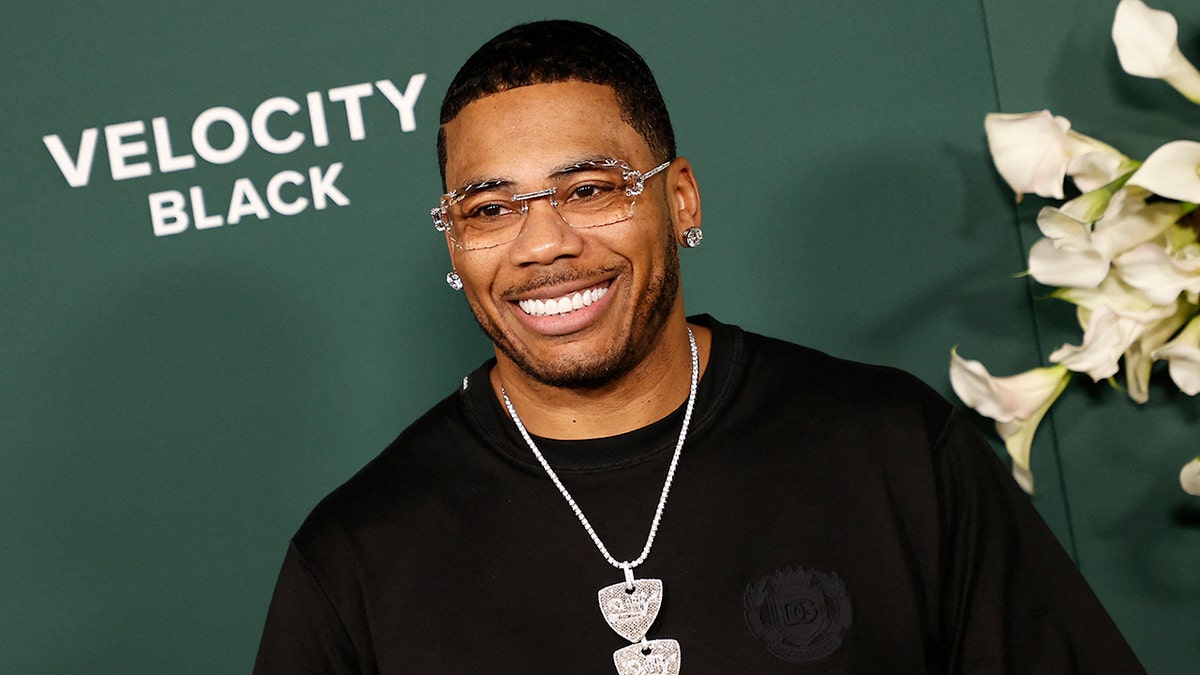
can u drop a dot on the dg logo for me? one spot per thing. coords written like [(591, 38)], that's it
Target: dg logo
[(801, 614)]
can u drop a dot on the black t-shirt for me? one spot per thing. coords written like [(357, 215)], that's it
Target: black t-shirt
[(826, 517)]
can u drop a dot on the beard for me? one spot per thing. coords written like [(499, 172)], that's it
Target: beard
[(594, 370)]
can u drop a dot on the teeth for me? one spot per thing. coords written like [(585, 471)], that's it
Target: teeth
[(563, 305)]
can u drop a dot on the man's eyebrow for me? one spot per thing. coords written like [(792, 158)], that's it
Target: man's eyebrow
[(482, 183), (582, 164), (485, 184)]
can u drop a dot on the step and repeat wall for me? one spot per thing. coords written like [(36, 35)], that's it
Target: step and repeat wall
[(222, 293)]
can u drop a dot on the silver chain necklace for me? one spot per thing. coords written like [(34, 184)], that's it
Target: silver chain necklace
[(632, 606)]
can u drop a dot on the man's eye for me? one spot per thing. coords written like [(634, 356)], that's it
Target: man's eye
[(490, 210), (588, 191)]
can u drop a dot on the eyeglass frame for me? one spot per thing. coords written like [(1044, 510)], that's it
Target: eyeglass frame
[(438, 213)]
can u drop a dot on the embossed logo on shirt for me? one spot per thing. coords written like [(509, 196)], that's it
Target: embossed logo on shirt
[(801, 614)]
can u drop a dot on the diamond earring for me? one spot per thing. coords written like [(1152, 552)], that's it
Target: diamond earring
[(692, 237), (454, 281)]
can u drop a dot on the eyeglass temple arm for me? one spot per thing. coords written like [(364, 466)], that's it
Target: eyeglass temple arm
[(656, 169)]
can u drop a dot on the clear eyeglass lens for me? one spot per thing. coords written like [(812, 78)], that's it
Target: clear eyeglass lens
[(584, 198)]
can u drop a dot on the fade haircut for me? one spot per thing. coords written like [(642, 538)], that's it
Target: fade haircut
[(544, 52)]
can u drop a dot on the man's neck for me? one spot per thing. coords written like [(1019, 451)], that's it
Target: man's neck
[(649, 392)]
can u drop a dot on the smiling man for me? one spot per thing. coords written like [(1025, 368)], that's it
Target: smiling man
[(622, 487)]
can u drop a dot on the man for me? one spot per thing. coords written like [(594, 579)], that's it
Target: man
[(622, 487)]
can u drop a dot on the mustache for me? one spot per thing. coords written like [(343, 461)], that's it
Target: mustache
[(547, 279)]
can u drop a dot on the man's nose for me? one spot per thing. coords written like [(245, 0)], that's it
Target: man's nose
[(545, 236)]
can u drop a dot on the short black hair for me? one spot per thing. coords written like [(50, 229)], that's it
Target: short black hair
[(544, 52)]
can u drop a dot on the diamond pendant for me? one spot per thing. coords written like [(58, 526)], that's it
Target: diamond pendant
[(631, 609), (652, 657)]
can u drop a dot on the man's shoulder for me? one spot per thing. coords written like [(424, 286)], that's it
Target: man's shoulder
[(810, 370), (778, 372), (420, 455)]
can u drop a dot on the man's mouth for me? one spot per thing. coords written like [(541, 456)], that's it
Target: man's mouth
[(563, 304)]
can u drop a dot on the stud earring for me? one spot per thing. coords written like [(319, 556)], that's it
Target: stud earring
[(692, 237), (454, 281)]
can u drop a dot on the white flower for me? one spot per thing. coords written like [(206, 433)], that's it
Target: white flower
[(1105, 339), (1141, 355), (1096, 168), (1183, 358), (1114, 316), (1076, 253), (1034, 151), (1066, 256), (1129, 221), (1189, 477), (1161, 276), (1172, 171), (1147, 45), (1115, 295), (1017, 403)]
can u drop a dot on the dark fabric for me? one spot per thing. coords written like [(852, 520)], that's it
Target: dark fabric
[(803, 475)]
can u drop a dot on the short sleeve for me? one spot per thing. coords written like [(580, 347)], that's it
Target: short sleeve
[(1012, 599), (303, 632)]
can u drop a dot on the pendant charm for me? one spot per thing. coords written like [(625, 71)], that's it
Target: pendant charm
[(652, 657), (631, 610)]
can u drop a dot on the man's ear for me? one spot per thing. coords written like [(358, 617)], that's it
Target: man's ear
[(683, 195)]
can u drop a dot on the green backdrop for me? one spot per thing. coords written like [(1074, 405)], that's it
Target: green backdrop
[(171, 406)]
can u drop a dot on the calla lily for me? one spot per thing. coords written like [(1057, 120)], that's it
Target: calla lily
[(1172, 171), (1105, 339), (1030, 151), (1034, 151), (1141, 355), (1066, 256), (1062, 266), (1116, 296), (1128, 221), (1096, 168), (1183, 358), (1189, 477), (1094, 163), (1077, 253), (1147, 45), (1126, 251), (1114, 317), (1017, 403), (1161, 276)]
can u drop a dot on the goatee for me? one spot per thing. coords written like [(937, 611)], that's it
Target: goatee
[(590, 371)]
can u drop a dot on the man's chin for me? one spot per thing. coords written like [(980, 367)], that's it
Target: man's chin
[(565, 366), (590, 373)]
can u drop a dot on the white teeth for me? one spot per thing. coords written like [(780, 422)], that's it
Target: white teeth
[(562, 305)]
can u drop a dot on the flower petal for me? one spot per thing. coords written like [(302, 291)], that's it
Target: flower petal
[(1157, 275), (1147, 46), (1129, 221), (1004, 399), (1189, 477), (1172, 171), (1183, 357), (1140, 357), (1030, 151), (1106, 338), (1018, 434), (1064, 267), (1093, 169)]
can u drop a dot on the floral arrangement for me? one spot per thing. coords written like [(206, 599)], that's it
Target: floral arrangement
[(1125, 251)]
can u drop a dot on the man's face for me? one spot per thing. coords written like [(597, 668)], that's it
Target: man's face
[(629, 270)]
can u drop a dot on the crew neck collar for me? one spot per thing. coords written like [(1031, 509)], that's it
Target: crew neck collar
[(491, 421)]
